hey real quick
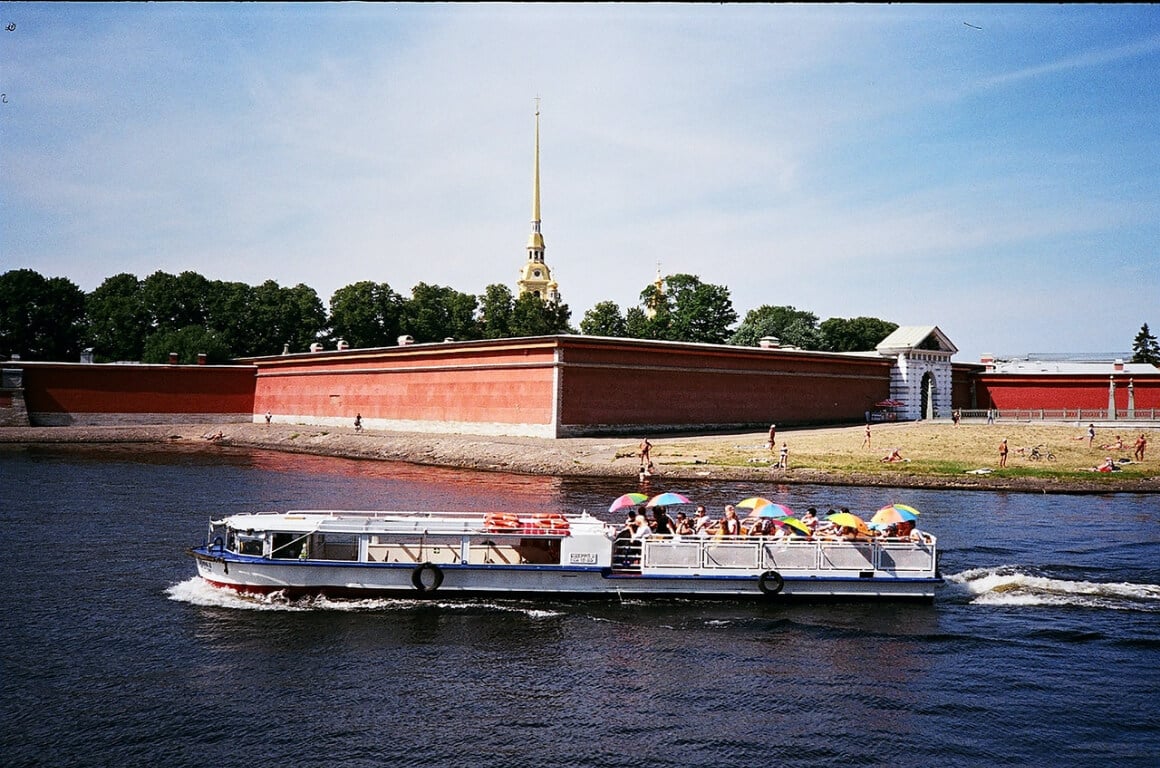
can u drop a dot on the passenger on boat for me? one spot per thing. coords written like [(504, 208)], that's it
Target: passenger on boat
[(762, 526), (684, 526), (701, 522), (918, 536), (730, 525), (642, 527), (662, 524), (810, 518)]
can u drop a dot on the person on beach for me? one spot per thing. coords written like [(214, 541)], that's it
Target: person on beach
[(645, 454), (1141, 444), (783, 456), (866, 439), (1003, 452), (269, 416), (893, 456), (358, 422), (772, 437), (1091, 434)]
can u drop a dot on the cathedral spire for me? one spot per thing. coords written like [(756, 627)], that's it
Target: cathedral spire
[(535, 277)]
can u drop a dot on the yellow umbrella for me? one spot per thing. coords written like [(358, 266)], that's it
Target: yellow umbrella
[(848, 520)]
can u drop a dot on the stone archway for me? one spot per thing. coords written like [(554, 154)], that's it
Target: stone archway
[(928, 396)]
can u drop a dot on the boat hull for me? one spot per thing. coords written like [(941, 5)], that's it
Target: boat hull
[(296, 579)]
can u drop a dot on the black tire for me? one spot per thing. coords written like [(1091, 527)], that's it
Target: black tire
[(436, 577), (770, 583)]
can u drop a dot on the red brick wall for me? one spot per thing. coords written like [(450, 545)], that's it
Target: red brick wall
[(1058, 391), (610, 384), (470, 387), (78, 393)]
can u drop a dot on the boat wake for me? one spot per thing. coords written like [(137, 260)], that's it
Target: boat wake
[(1010, 585), (196, 591)]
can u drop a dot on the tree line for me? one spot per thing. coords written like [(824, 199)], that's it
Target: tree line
[(131, 319)]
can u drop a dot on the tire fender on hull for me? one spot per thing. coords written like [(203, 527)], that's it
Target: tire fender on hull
[(428, 577), (770, 583)]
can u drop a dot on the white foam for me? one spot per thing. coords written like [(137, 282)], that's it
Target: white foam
[(1011, 586), (197, 591)]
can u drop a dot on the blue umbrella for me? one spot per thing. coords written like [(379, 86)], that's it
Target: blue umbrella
[(667, 499)]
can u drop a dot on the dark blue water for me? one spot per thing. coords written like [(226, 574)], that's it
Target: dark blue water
[(1043, 647)]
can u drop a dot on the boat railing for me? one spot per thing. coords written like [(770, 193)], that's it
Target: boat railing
[(748, 553)]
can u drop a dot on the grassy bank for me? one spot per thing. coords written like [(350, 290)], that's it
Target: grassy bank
[(965, 454)]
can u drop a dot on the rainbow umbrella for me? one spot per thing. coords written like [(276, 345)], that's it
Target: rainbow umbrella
[(628, 500), (893, 514), (772, 510), (667, 499), (793, 522), (753, 502)]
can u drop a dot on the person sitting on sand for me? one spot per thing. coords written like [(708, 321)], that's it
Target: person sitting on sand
[(893, 456), (1116, 446), (1107, 465)]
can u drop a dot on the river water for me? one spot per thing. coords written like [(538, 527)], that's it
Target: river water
[(1042, 648)]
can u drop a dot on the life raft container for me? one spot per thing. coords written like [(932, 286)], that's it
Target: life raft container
[(498, 522), (554, 522)]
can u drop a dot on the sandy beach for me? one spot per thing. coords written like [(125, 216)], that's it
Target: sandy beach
[(937, 455)]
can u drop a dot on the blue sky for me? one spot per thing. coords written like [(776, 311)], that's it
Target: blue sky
[(993, 170)]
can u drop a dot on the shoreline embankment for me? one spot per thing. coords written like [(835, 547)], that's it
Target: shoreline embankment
[(816, 458)]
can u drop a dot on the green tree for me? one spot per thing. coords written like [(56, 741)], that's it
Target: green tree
[(366, 314), (638, 325), (229, 309), (283, 318), (119, 321), (859, 334), (792, 327), (41, 318), (604, 319), (532, 316), (436, 312), (701, 312), (1145, 348), (496, 306), (175, 301), (188, 343)]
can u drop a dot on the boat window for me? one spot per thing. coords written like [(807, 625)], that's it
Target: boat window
[(288, 545), (333, 546)]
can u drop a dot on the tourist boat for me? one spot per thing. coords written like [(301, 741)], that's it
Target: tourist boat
[(447, 554)]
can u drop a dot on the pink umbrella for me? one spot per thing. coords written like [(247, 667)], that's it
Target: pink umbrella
[(628, 500)]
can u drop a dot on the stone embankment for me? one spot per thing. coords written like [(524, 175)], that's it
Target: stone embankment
[(821, 456)]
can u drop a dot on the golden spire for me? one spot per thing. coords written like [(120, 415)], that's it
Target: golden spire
[(536, 240), (535, 277)]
